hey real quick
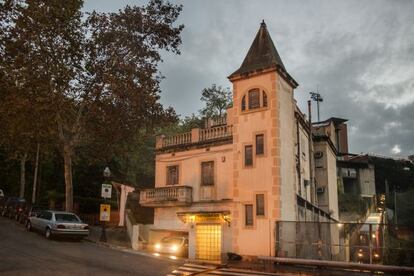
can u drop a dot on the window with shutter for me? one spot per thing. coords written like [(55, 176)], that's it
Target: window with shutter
[(260, 205), (248, 155), (259, 144), (254, 98), (207, 173), (172, 175), (248, 214)]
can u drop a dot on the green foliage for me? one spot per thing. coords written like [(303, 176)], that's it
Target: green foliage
[(405, 206), (217, 100), (350, 203), (89, 82)]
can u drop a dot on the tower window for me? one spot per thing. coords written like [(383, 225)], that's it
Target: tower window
[(254, 98), (248, 155), (260, 205), (264, 99), (243, 105), (259, 144)]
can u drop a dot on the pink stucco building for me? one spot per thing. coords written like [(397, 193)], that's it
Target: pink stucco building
[(226, 185)]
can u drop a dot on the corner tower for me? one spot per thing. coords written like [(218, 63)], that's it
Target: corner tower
[(263, 147)]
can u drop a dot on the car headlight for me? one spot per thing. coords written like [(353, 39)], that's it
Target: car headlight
[(157, 246), (174, 248)]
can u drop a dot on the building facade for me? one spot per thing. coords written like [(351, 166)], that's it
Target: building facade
[(226, 185)]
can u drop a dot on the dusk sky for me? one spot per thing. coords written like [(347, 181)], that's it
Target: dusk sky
[(360, 54)]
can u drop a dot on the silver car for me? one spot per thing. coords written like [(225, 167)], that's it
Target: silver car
[(57, 223)]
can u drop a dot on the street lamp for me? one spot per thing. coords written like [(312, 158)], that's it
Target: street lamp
[(316, 96), (107, 175)]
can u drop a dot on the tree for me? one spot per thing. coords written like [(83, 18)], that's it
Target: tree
[(217, 100), (97, 77)]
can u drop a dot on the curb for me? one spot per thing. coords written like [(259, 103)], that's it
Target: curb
[(131, 251)]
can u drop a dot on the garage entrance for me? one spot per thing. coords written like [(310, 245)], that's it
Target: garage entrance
[(208, 242)]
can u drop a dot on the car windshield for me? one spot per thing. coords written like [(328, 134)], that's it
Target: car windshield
[(66, 217), (172, 240)]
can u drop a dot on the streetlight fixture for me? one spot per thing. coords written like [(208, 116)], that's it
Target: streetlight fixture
[(316, 96)]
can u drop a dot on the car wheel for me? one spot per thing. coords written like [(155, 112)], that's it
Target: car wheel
[(28, 226), (48, 233)]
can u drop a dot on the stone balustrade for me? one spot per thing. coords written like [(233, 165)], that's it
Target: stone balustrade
[(166, 196), (196, 135)]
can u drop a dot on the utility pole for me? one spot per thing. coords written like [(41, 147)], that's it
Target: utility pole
[(316, 96), (395, 207), (35, 174)]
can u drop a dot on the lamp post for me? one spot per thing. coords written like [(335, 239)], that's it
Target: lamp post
[(107, 175), (316, 96)]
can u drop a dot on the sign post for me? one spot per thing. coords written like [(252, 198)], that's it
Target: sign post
[(105, 209)]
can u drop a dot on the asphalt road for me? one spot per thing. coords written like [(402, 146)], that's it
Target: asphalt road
[(28, 253)]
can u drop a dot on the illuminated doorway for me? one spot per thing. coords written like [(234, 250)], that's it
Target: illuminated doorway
[(208, 242)]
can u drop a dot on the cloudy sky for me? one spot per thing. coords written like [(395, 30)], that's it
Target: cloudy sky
[(359, 54)]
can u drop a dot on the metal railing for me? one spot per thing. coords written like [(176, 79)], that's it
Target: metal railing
[(347, 242)]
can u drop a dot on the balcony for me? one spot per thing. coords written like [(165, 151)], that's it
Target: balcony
[(166, 196), (196, 135)]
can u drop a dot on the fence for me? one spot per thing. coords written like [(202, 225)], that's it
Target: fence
[(350, 242)]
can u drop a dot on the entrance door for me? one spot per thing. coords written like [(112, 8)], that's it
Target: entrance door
[(208, 242)]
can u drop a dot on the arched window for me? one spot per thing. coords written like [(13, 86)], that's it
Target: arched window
[(254, 98), (243, 104), (264, 99)]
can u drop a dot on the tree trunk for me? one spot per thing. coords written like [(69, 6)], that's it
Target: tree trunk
[(35, 174), (67, 157), (23, 174)]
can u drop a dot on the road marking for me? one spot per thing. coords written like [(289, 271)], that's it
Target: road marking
[(193, 269)]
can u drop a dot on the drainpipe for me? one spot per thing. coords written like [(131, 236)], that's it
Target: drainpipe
[(310, 146), (298, 165)]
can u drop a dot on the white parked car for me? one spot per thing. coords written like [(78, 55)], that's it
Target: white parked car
[(173, 245), (57, 223), (1, 193)]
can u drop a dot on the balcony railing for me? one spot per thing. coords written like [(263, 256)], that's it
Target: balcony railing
[(196, 135), (179, 139), (166, 196), (215, 132)]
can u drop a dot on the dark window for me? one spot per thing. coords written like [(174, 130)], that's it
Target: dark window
[(47, 215), (264, 99), (172, 175), (248, 214), (66, 217), (260, 144), (254, 99), (243, 105), (248, 155), (260, 205), (207, 173)]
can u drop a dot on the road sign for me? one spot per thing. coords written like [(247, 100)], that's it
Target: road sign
[(105, 214), (106, 191)]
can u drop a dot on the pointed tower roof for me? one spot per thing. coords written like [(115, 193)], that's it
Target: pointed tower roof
[(262, 55)]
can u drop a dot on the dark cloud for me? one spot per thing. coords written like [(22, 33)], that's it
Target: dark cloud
[(360, 55)]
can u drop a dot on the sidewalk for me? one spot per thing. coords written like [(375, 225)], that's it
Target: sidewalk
[(115, 236)]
